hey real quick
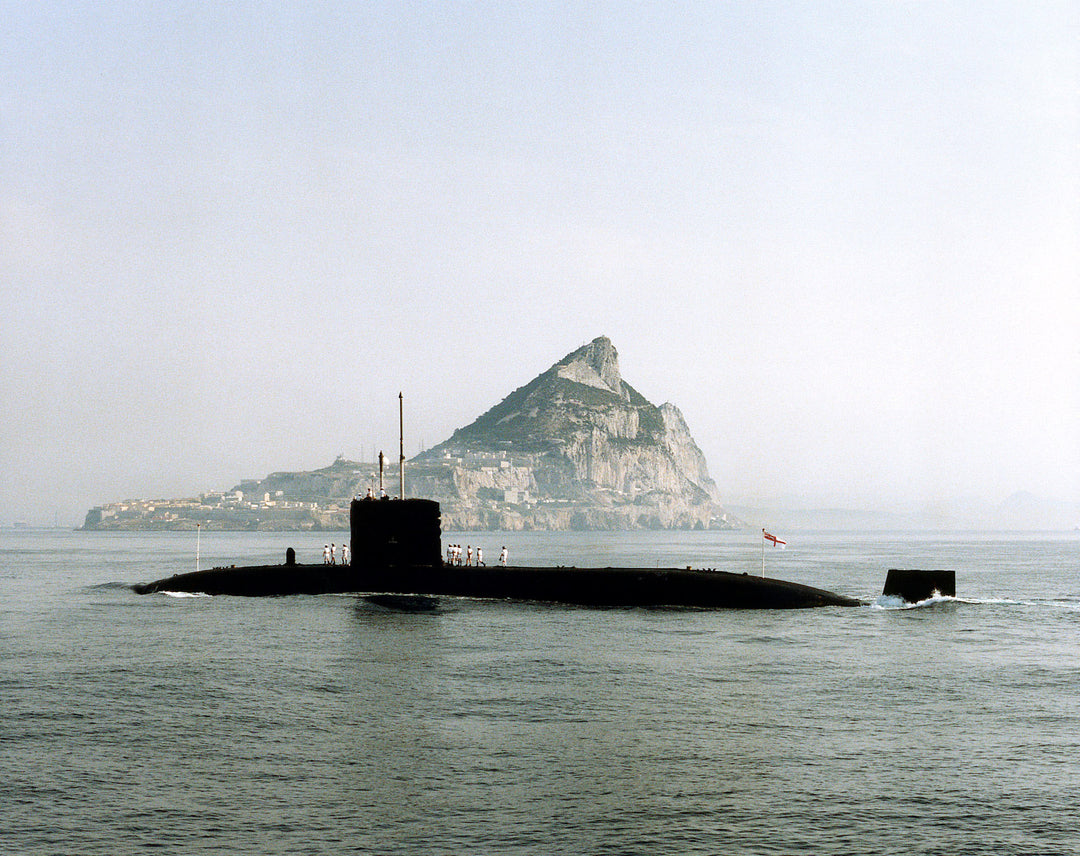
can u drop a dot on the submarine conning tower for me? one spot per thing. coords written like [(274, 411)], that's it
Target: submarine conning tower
[(395, 533)]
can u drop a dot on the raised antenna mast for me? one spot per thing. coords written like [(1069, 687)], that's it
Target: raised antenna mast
[(401, 435)]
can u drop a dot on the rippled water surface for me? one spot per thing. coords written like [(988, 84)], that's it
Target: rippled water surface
[(329, 725)]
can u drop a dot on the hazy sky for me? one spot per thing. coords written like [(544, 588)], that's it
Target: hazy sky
[(844, 238)]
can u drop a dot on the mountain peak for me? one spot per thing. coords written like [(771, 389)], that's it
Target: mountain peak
[(577, 447), (595, 364)]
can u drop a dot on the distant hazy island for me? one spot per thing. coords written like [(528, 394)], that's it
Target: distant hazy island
[(576, 448)]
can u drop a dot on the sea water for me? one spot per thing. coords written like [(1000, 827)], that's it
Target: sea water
[(316, 725)]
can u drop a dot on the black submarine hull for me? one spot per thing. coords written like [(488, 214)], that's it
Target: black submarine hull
[(397, 550), (596, 587)]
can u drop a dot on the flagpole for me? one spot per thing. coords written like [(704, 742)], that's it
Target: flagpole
[(763, 553), (198, 537)]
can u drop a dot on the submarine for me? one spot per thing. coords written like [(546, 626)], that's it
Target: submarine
[(396, 547)]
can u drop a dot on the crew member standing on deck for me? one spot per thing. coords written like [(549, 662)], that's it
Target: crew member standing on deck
[(344, 554), (468, 556), (326, 554), (502, 556), (333, 557), (479, 556)]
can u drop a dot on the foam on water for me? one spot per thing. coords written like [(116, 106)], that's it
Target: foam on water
[(994, 601), (895, 602)]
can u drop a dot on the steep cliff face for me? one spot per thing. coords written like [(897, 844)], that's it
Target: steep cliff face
[(577, 447)]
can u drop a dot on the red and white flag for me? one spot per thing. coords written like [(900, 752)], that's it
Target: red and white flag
[(776, 542)]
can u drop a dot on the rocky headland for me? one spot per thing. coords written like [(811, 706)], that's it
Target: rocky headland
[(575, 448)]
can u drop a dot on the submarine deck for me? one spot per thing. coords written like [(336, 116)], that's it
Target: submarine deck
[(598, 587)]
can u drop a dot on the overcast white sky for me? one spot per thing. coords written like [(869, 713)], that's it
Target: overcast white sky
[(841, 237)]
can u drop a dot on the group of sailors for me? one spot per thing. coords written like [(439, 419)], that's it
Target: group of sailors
[(453, 555), (330, 554)]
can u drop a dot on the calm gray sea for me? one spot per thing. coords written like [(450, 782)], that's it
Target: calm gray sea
[(312, 725)]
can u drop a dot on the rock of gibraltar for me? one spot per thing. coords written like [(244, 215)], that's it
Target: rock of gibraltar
[(575, 448)]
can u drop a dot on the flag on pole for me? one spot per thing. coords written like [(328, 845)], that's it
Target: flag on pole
[(776, 542)]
